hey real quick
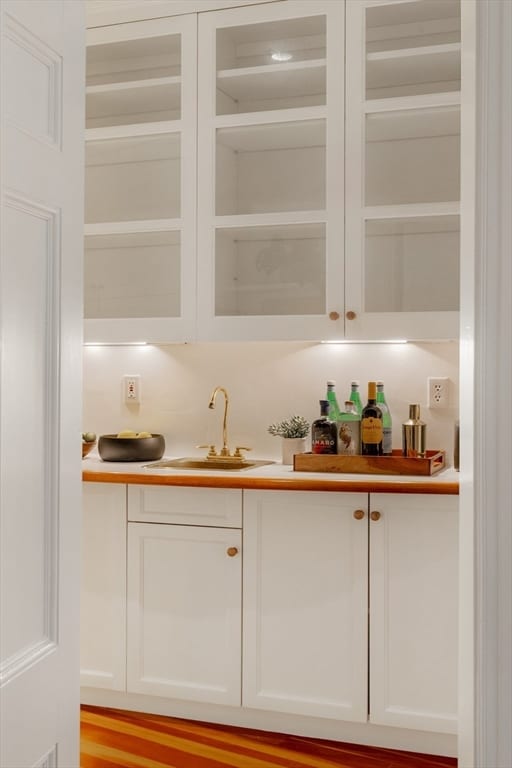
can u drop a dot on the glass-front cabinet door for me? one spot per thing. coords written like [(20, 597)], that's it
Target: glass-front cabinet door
[(140, 234), (270, 172), (403, 103)]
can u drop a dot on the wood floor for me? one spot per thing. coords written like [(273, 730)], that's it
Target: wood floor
[(119, 739)]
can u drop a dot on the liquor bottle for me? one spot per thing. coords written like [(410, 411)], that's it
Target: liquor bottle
[(355, 397), (349, 430), (371, 424), (323, 431), (387, 424), (414, 434), (334, 409)]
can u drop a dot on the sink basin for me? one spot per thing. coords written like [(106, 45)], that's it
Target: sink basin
[(196, 463)]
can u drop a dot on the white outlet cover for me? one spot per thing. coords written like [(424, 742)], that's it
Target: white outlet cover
[(438, 392)]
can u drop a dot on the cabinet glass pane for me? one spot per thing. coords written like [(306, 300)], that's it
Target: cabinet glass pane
[(134, 81), (271, 168), (271, 65), (412, 48), (133, 179), (135, 275), (412, 265), (274, 270), (413, 156)]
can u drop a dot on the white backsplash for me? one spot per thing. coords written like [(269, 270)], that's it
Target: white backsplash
[(266, 382)]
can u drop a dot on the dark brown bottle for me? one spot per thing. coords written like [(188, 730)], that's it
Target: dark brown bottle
[(371, 424), (323, 432)]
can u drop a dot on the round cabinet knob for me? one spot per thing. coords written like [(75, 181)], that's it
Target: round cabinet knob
[(350, 315), (359, 514), (334, 315), (232, 551), (375, 515)]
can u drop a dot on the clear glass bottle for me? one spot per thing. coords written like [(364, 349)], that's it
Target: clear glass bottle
[(355, 397), (387, 423), (323, 431), (334, 409), (371, 424), (349, 430)]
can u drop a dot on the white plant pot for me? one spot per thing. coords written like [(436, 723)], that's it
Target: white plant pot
[(290, 446)]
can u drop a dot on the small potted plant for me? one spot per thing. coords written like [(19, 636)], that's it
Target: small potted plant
[(293, 432)]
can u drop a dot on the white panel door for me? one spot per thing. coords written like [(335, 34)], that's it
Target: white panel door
[(305, 603), (103, 590), (413, 611), (41, 130), (184, 612)]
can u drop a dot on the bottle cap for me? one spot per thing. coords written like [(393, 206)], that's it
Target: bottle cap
[(354, 383), (331, 383), (349, 403), (380, 383)]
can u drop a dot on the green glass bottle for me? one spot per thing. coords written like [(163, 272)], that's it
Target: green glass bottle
[(387, 424), (334, 409), (356, 397)]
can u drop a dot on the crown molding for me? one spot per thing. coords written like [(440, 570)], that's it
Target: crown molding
[(101, 13)]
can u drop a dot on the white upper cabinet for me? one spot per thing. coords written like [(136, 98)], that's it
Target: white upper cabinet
[(402, 168), (270, 171), (140, 181), (286, 170)]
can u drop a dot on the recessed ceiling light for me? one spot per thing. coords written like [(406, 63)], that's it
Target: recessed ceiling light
[(281, 56)]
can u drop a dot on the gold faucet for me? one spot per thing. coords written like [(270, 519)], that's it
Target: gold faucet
[(224, 453), (211, 404)]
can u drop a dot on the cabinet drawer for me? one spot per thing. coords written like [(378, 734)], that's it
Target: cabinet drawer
[(217, 507)]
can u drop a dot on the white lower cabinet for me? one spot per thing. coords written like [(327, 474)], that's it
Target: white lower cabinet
[(184, 599), (103, 587), (348, 611), (307, 561), (413, 611), (305, 607)]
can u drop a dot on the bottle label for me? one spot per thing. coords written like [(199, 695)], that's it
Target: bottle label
[(323, 439), (371, 430), (387, 438), (349, 437)]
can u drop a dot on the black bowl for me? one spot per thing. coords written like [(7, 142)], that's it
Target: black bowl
[(113, 448)]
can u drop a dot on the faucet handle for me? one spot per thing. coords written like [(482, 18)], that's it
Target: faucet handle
[(241, 448), (211, 449)]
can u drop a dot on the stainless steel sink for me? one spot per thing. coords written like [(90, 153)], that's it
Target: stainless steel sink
[(196, 463)]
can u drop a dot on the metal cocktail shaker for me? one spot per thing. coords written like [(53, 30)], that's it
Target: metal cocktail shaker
[(414, 434)]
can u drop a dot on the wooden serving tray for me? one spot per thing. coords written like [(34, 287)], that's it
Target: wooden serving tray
[(396, 464)]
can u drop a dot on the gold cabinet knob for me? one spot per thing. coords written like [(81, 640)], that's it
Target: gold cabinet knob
[(334, 315), (375, 515), (232, 551), (359, 514), (350, 315)]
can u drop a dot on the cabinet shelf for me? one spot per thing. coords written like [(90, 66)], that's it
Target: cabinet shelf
[(422, 101), (271, 219), (274, 81), (405, 71), (137, 101), (413, 124), (411, 210), (126, 131), (132, 227)]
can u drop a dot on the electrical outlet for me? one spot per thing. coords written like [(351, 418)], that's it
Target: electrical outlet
[(131, 389), (437, 394)]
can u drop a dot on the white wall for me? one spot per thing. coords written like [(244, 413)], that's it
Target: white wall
[(266, 382)]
